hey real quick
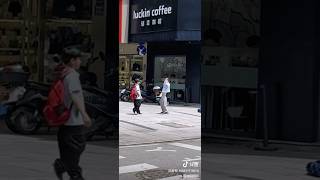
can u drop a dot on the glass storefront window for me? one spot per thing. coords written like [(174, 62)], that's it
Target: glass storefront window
[(124, 78), (173, 67), (130, 66)]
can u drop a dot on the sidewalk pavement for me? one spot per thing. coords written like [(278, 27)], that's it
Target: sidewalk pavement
[(249, 167), (226, 159), (182, 122), (31, 157)]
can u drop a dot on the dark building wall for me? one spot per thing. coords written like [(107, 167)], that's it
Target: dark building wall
[(111, 58), (192, 52), (287, 68)]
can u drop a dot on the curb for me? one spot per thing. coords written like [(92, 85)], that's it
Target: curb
[(155, 142), (253, 140)]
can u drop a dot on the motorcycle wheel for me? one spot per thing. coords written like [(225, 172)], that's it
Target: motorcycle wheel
[(11, 125), (125, 98), (22, 121)]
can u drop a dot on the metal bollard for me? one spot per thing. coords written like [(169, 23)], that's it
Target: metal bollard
[(265, 143)]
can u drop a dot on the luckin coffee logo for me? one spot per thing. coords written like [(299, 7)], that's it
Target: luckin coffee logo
[(145, 13)]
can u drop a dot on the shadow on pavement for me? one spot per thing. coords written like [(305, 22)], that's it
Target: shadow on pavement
[(131, 114)]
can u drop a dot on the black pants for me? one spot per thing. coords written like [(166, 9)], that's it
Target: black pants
[(72, 143), (137, 104)]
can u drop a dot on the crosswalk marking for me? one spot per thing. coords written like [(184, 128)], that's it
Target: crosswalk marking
[(160, 149), (121, 157), (188, 146), (134, 146), (136, 168)]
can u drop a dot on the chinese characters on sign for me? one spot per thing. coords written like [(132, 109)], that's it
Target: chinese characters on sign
[(144, 13), (152, 16), (154, 22)]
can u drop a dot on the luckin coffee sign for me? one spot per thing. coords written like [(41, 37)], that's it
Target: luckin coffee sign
[(153, 16)]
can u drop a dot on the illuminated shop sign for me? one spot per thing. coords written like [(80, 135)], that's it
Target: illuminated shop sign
[(153, 16)]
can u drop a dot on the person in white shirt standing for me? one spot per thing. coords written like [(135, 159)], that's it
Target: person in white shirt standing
[(138, 98), (163, 100)]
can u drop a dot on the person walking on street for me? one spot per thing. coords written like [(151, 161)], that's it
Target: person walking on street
[(137, 98), (164, 92), (71, 139)]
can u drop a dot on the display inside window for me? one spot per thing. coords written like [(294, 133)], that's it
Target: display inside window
[(10, 9), (130, 68), (137, 64), (212, 60), (61, 36), (15, 8), (10, 37), (244, 61), (65, 36), (124, 72), (173, 67), (75, 9), (136, 70), (124, 65), (10, 43), (231, 57)]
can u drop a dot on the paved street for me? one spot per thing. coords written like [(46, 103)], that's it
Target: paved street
[(156, 146), (182, 122), (229, 161), (31, 157), (161, 161), (150, 152)]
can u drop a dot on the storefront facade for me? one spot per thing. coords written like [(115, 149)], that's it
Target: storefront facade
[(172, 37), (131, 64), (229, 68), (285, 62)]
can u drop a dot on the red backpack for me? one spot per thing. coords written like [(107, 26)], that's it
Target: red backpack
[(133, 93), (55, 111)]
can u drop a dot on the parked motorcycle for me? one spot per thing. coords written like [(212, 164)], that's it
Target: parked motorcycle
[(148, 96), (22, 112), (25, 115), (125, 95), (14, 78)]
